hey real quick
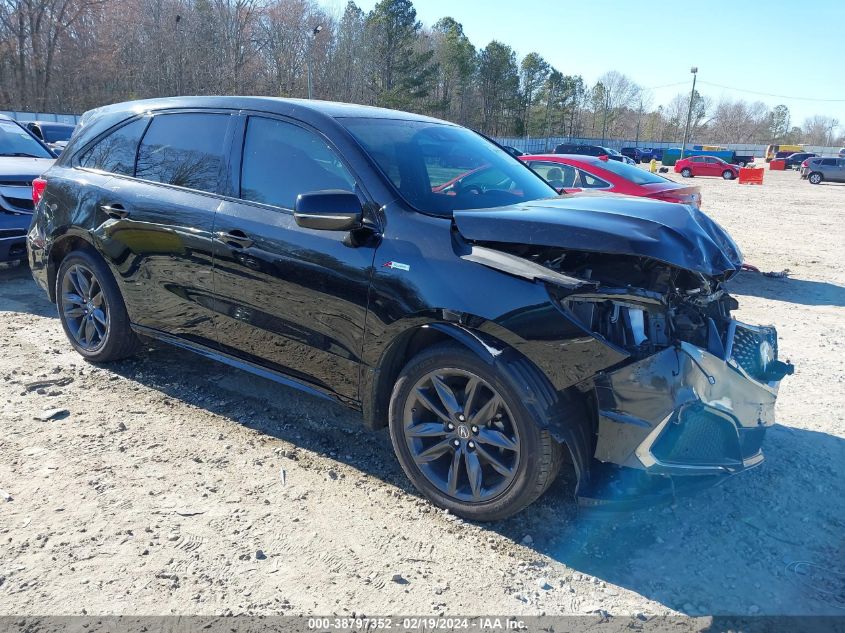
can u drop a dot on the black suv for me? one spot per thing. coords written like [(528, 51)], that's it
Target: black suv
[(793, 161), (592, 150), (498, 329)]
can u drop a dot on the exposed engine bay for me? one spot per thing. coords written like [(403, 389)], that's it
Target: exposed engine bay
[(637, 303)]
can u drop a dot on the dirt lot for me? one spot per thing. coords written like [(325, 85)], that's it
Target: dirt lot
[(176, 485)]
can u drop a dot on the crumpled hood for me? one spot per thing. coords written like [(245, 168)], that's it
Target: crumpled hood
[(19, 168), (676, 234)]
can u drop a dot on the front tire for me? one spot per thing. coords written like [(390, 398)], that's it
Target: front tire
[(91, 309), (465, 438), (728, 174), (815, 178), (686, 172)]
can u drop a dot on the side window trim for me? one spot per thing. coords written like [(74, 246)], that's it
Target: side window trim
[(236, 158)]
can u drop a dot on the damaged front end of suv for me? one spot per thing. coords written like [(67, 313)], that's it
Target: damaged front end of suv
[(690, 401)]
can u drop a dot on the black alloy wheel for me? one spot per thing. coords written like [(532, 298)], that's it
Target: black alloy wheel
[(461, 435), (91, 308), (84, 309), (471, 435)]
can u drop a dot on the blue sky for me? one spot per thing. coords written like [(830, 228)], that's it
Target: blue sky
[(779, 47)]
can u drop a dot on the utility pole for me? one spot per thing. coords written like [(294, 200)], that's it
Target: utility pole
[(178, 29), (311, 39), (639, 120), (606, 108), (694, 71)]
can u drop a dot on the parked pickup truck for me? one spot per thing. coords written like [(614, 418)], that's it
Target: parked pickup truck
[(743, 159)]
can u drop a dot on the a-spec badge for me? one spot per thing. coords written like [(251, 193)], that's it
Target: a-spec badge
[(396, 266)]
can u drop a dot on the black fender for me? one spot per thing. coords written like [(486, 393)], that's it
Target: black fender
[(45, 262), (562, 413)]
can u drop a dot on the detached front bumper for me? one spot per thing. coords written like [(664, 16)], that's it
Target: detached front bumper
[(686, 411)]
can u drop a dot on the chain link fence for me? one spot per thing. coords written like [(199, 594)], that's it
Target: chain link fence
[(24, 117), (547, 144)]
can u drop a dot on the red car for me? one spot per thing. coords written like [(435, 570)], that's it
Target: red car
[(571, 173), (706, 166)]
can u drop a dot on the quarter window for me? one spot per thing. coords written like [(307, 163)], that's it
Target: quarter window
[(116, 152), (282, 160), (588, 181), (184, 150)]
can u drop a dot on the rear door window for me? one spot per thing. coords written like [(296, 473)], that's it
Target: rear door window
[(185, 149), (116, 152), (556, 174), (829, 161), (282, 160)]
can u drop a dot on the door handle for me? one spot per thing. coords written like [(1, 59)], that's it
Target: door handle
[(235, 238), (115, 211)]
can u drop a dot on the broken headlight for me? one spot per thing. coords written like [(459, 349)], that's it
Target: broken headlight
[(635, 327)]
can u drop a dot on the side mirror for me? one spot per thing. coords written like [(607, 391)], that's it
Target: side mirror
[(329, 210)]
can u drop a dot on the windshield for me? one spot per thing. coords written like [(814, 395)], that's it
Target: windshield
[(53, 133), (16, 141), (441, 168), (633, 174)]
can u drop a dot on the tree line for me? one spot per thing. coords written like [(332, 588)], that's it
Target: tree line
[(73, 55)]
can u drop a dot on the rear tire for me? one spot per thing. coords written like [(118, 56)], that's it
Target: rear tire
[(477, 451), (815, 178), (686, 172), (728, 174), (91, 309)]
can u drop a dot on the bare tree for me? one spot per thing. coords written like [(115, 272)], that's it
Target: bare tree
[(72, 55)]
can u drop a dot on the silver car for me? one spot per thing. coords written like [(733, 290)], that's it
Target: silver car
[(821, 169)]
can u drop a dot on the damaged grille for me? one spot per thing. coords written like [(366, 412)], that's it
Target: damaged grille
[(754, 349)]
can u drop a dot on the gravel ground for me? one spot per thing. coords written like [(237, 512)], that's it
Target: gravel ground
[(174, 485)]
